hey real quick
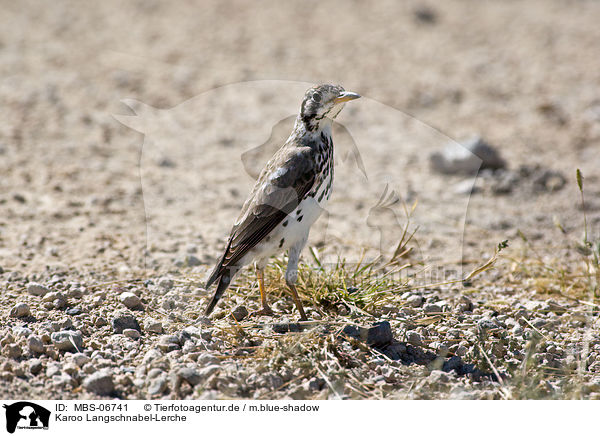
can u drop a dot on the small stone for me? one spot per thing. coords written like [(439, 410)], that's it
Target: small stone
[(67, 340), (425, 14), (70, 368), (486, 324), (53, 369), (206, 359), (73, 311), (190, 375), (124, 321), (37, 289), (35, 344), (239, 313), (153, 326), (80, 359), (101, 383), (61, 381), (168, 343), (415, 301), (191, 260), (205, 373), (165, 283), (432, 308), (377, 336), (35, 366), (414, 338), (20, 310), (465, 304), (21, 331), (14, 351), (132, 333), (100, 321), (466, 158), (151, 355), (158, 385), (437, 377), (130, 300)]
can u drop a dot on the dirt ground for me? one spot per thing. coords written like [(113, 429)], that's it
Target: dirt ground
[(130, 134)]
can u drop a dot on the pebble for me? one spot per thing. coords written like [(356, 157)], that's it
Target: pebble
[(168, 343), (152, 326), (239, 313), (20, 310), (35, 366), (80, 359), (208, 371), (21, 331), (151, 355), (158, 385), (415, 301), (14, 351), (101, 382), (73, 311), (35, 344), (191, 260), (132, 333), (130, 300), (466, 158), (53, 369), (37, 289), (379, 335), (165, 283), (190, 375), (100, 321), (414, 338), (67, 340), (124, 321), (206, 359), (432, 308)]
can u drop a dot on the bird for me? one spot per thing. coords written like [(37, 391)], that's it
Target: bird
[(290, 193)]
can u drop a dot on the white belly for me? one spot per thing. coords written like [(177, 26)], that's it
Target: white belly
[(293, 228)]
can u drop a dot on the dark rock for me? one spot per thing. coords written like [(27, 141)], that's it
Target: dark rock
[(124, 321), (73, 311), (466, 158), (425, 14), (377, 336), (286, 327), (239, 313)]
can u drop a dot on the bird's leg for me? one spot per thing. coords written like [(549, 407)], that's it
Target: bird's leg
[(266, 310), (291, 274), (298, 303)]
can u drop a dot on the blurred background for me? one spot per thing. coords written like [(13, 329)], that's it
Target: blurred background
[(525, 76)]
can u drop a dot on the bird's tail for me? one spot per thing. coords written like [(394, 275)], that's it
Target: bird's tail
[(222, 285)]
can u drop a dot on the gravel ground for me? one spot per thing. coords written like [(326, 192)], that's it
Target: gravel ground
[(124, 160)]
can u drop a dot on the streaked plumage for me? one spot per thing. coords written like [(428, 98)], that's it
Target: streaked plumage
[(288, 197)]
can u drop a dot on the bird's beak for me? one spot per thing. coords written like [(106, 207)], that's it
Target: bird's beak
[(346, 96)]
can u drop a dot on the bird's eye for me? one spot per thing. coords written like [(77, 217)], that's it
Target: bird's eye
[(317, 97)]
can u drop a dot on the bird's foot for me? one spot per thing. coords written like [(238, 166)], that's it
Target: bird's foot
[(265, 311)]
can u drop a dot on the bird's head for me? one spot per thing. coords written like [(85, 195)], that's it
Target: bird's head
[(322, 103)]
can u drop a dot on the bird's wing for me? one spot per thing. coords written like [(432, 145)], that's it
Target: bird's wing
[(280, 188)]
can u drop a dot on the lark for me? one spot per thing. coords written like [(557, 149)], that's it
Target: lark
[(291, 192)]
